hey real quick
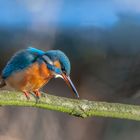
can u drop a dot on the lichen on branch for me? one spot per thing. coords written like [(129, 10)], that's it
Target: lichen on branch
[(75, 107)]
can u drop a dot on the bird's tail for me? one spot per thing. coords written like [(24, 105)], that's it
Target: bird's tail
[(2, 82)]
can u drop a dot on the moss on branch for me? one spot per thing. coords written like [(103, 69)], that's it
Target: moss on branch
[(75, 107)]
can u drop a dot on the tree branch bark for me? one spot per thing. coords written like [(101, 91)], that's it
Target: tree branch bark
[(79, 108)]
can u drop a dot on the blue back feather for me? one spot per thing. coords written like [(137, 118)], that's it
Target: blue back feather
[(20, 61), (35, 51)]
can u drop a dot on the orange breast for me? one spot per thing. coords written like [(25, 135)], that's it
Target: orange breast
[(31, 78)]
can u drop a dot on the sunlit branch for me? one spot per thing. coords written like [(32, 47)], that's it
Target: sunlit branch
[(75, 107)]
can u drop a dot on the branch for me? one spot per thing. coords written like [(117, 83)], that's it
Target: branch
[(80, 108)]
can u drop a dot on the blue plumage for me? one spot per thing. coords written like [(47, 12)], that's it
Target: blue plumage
[(63, 59), (24, 58), (20, 61), (35, 51)]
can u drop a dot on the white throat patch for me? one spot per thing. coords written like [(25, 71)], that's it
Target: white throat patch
[(58, 76)]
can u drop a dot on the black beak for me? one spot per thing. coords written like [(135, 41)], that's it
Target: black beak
[(70, 84)]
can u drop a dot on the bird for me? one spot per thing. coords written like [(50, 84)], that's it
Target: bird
[(30, 69)]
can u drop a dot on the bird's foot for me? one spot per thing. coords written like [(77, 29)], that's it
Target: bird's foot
[(37, 95), (27, 95)]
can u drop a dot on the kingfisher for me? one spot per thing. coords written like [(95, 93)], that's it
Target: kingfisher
[(30, 69)]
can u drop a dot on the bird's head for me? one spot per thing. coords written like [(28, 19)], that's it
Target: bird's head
[(59, 64)]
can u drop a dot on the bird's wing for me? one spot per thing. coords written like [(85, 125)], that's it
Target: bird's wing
[(20, 61)]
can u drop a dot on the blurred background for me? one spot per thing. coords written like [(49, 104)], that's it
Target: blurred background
[(102, 40)]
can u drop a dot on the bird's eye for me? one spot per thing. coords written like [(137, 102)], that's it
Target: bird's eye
[(63, 70)]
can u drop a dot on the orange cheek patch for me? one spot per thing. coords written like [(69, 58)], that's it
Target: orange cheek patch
[(57, 64)]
